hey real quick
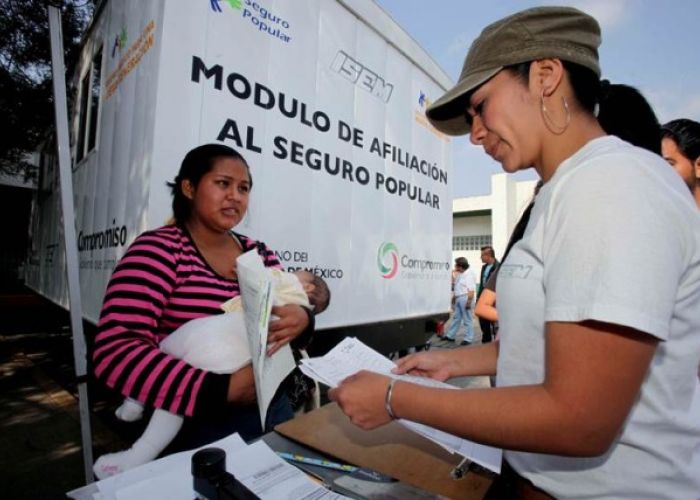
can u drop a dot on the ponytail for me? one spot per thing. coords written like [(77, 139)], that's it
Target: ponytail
[(621, 110), (624, 112), (521, 225)]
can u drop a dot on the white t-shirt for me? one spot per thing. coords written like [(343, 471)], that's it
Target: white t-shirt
[(614, 236), (466, 282)]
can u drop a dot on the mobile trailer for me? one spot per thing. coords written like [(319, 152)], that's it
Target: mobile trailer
[(326, 101)]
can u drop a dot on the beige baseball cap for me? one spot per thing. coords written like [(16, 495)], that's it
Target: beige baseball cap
[(542, 32)]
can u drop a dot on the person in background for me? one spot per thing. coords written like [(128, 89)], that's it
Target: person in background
[(489, 266), (454, 275), (680, 147), (463, 298), (181, 272), (486, 303), (596, 380)]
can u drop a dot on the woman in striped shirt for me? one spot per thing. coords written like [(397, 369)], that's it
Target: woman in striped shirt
[(180, 272)]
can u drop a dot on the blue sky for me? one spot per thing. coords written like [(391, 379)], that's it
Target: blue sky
[(650, 44)]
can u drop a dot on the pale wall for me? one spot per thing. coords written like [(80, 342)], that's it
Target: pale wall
[(505, 203)]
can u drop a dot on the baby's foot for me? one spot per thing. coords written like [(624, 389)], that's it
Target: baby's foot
[(116, 463), (129, 411), (112, 464)]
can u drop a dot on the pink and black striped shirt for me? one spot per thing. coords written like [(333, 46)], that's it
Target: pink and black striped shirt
[(161, 282)]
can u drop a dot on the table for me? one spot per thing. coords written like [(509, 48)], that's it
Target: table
[(328, 476)]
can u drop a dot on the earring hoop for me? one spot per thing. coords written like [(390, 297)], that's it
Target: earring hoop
[(549, 122)]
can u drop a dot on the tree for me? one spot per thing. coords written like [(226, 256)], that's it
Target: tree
[(26, 92)]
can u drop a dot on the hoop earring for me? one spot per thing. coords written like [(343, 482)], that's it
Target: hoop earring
[(553, 127)]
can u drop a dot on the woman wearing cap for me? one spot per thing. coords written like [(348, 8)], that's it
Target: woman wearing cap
[(597, 391)]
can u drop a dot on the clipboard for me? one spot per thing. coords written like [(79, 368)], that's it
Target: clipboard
[(392, 450)]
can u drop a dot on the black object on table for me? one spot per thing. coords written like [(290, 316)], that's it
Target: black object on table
[(211, 481)]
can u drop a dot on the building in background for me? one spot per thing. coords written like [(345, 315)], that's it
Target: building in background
[(478, 221), (17, 186)]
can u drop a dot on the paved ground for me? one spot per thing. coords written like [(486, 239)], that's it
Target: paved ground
[(40, 452), (439, 343)]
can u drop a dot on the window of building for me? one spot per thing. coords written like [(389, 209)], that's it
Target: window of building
[(48, 167), (94, 99), (82, 117), (466, 243), (88, 109)]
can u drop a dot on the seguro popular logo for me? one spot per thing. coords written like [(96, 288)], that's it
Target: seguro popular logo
[(258, 16), (120, 40)]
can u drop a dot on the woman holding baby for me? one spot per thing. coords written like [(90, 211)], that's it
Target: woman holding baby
[(178, 273)]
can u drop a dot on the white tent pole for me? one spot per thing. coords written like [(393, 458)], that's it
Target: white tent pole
[(68, 216)]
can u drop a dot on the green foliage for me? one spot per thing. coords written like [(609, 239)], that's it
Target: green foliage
[(25, 73)]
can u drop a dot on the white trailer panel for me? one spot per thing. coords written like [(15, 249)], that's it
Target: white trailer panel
[(327, 107)]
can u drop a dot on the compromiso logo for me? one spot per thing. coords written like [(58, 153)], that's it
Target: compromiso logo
[(114, 236), (389, 261), (388, 252)]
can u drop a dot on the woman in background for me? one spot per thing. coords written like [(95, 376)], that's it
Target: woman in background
[(680, 147)]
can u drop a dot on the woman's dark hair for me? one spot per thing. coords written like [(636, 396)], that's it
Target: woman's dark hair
[(686, 134), (622, 110), (521, 225), (462, 262), (198, 162), (625, 112)]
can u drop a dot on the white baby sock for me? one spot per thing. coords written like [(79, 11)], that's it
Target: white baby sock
[(161, 430), (129, 411)]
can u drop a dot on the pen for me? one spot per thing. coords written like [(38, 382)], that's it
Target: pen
[(459, 471), (466, 465), (293, 457)]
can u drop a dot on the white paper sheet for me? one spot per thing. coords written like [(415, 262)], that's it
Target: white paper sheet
[(351, 356), (270, 477), (173, 471), (256, 293), (256, 466)]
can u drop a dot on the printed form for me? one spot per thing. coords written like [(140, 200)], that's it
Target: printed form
[(351, 356), (257, 295)]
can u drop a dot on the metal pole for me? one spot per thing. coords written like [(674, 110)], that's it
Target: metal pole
[(68, 216)]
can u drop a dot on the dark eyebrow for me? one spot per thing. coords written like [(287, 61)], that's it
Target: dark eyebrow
[(470, 97), (468, 104), (468, 118), (230, 177)]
